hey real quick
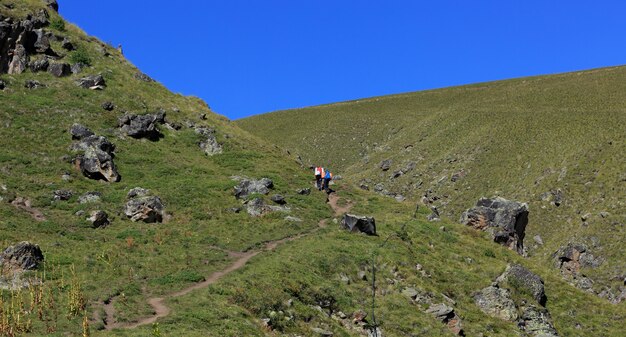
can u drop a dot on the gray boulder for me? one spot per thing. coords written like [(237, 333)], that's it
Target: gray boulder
[(279, 199), (209, 143), (92, 82), (385, 164), (247, 187), (142, 126), (434, 215), (137, 192), (505, 220), (537, 322), (79, 131), (256, 207), (144, 208), (96, 158), (522, 279), (108, 106), (39, 65), (22, 256), (77, 68), (356, 223), (496, 302), (89, 197), (3, 85), (62, 195), (98, 219), (42, 43), (304, 191), (446, 315), (59, 69)]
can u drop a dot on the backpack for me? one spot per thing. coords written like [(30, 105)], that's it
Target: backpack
[(328, 175)]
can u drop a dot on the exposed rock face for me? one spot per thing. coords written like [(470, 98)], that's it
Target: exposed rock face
[(98, 219), (142, 126), (19, 61), (523, 279), (39, 65), (356, 223), (571, 258), (92, 82), (96, 160), (537, 322), (42, 43), (22, 256), (143, 77), (59, 69), (144, 207), (496, 302), (247, 187), (446, 315), (505, 220), (209, 144)]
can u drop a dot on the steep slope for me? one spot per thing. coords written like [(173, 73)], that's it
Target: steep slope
[(556, 142), (210, 265)]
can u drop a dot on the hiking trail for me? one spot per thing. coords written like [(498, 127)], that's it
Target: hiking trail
[(241, 258)]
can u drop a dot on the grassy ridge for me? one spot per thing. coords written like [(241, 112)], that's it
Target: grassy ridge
[(518, 138)]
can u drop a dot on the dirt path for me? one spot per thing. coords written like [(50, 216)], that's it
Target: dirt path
[(241, 258)]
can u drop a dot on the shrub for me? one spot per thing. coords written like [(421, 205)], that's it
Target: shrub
[(80, 55), (58, 24)]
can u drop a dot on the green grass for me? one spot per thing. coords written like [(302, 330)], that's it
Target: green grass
[(132, 262)]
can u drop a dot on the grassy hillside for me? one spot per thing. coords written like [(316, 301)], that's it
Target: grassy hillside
[(520, 139), (301, 269)]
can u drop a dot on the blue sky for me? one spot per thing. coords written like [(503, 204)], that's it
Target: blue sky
[(251, 57)]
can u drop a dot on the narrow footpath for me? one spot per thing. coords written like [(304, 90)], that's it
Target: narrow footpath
[(241, 258)]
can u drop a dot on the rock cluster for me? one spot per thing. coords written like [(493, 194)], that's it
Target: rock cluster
[(446, 315), (356, 223), (23, 256), (505, 220), (248, 186), (142, 126), (93, 82), (209, 143), (496, 301), (142, 206), (571, 258), (96, 158)]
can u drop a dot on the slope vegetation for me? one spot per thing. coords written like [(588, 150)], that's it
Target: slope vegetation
[(556, 142), (211, 263)]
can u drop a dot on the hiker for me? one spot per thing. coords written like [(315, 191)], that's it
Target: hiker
[(319, 171), (328, 176)]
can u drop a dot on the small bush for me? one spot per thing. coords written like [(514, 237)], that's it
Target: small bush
[(489, 253), (80, 55), (58, 24)]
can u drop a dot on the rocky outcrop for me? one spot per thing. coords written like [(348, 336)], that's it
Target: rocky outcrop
[(571, 258), (524, 280), (143, 207), (96, 158), (98, 219), (279, 199), (247, 187), (59, 69), (537, 322), (209, 143), (446, 315), (496, 302), (142, 126), (23, 256), (505, 220), (19, 61), (33, 84), (356, 223), (39, 65), (93, 82)]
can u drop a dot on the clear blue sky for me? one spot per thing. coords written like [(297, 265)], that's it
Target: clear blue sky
[(250, 57)]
